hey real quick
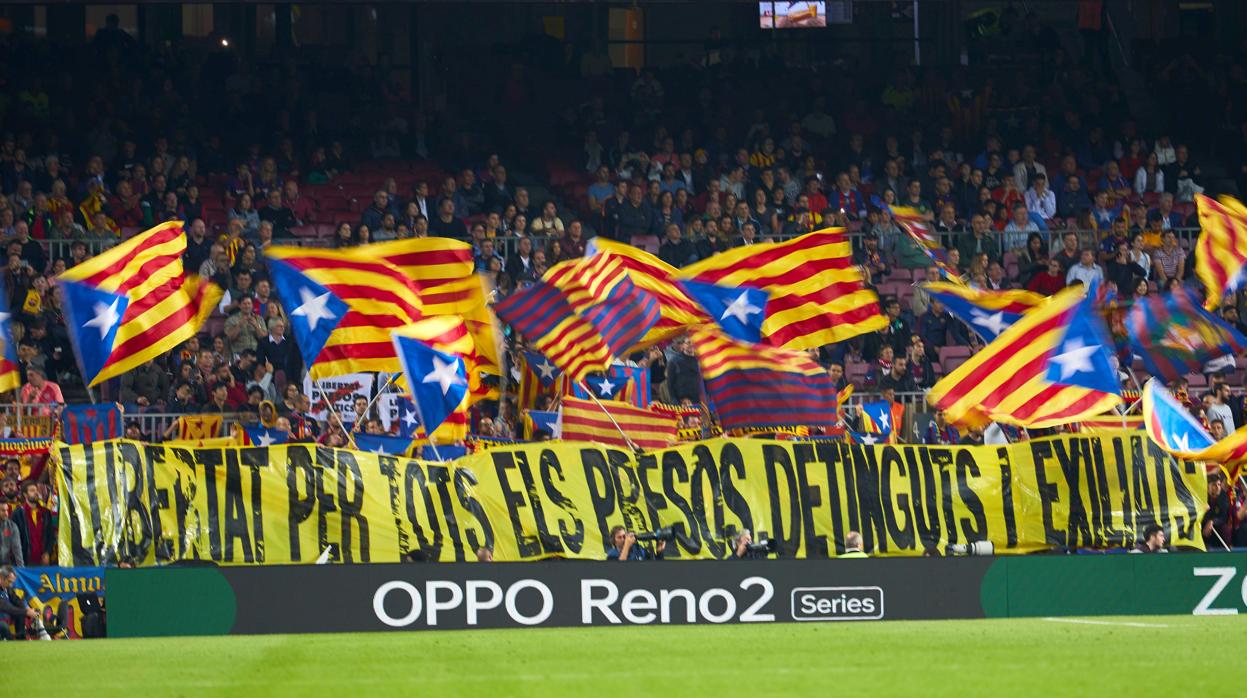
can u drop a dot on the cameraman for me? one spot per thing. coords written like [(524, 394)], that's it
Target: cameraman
[(625, 546), (744, 549)]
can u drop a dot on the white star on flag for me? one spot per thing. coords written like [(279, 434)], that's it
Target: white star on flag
[(409, 418), (105, 317), (883, 421), (1076, 358), (606, 387), (740, 309), (995, 323), (266, 439), (1182, 441), (556, 428), (444, 374), (313, 307), (869, 439), (546, 369)]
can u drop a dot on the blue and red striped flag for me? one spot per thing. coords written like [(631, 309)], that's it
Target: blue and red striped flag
[(582, 314), (1175, 336), (84, 424), (759, 386)]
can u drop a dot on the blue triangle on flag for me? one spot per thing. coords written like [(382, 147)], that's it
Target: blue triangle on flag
[(408, 418), (382, 444), (93, 317), (438, 381), (606, 387), (264, 436), (543, 368), (1082, 357), (314, 310), (739, 310), (985, 322)]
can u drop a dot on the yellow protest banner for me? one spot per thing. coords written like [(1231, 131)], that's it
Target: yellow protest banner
[(282, 504)]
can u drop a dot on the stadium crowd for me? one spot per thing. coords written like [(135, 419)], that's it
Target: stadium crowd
[(1037, 181)]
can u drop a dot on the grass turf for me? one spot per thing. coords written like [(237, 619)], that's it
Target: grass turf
[(1125, 656)]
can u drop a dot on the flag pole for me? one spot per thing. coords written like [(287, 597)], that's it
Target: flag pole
[(428, 433), (329, 404), (380, 390), (630, 442)]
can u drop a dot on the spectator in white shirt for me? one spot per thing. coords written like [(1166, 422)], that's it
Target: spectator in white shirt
[(1040, 199), (1027, 168), (1086, 271)]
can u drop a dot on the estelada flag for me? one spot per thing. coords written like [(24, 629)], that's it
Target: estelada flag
[(193, 427), (585, 420), (818, 295), (132, 303), (1050, 367)]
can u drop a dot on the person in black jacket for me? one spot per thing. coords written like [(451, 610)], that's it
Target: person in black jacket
[(279, 350), (684, 375), (636, 216), (1218, 514), (15, 608), (675, 250)]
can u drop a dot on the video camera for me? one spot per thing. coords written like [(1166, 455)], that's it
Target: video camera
[(766, 546), (667, 533)]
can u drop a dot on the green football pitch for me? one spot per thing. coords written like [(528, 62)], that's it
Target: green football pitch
[(1135, 656)]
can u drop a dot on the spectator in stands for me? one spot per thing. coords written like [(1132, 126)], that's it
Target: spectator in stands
[(1215, 523), (38, 546), (980, 241), (40, 391), (1150, 178), (146, 385), (246, 215), (1050, 280), (445, 223), (1019, 227), (1124, 272), (675, 250), (1153, 538), (1040, 200), (940, 433), (279, 351), (1169, 262), (898, 378), (1114, 185), (278, 214), (548, 223), (1072, 199), (520, 265), (1069, 254), (11, 538), (684, 375), (1086, 271), (380, 206)]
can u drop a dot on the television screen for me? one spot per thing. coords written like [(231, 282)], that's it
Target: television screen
[(792, 15)]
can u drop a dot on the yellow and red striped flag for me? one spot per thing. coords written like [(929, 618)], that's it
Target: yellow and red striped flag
[(443, 270), (343, 305), (584, 420), (676, 310), (1221, 251), (1008, 380), (133, 303), (817, 295)]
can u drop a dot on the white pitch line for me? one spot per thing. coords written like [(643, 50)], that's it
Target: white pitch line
[(1084, 621)]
